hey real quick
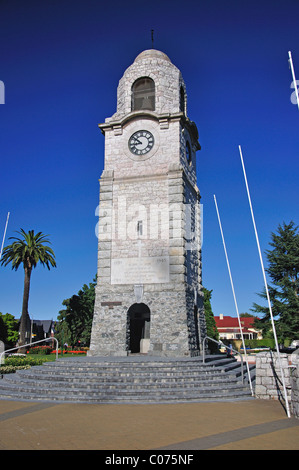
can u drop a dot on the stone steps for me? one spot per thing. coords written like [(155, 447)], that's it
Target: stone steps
[(103, 384), (128, 380)]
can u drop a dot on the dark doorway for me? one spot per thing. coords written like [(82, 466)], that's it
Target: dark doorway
[(138, 326)]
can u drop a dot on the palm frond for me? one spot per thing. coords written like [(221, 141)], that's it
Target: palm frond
[(29, 249)]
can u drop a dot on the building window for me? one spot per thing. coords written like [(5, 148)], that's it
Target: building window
[(143, 94), (182, 99), (188, 153)]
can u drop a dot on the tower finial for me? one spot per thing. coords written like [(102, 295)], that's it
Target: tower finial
[(152, 36)]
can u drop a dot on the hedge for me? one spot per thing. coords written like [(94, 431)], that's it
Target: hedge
[(259, 343), (12, 369), (18, 362)]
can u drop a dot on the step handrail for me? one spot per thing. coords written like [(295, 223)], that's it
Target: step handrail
[(29, 344), (220, 343)]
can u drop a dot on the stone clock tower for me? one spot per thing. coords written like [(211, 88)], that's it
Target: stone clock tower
[(148, 294)]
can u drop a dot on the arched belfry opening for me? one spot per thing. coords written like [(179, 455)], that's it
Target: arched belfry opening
[(143, 94), (138, 328)]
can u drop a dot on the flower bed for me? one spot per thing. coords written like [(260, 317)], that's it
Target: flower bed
[(67, 351), (40, 350)]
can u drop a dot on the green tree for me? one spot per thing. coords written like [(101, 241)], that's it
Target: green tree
[(75, 321), (212, 331), (283, 271), (28, 250), (9, 331)]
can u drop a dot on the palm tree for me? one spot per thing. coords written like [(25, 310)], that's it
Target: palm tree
[(29, 250)]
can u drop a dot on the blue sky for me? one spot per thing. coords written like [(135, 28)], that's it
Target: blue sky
[(61, 60)]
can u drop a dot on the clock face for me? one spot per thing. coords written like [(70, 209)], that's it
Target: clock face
[(141, 142)]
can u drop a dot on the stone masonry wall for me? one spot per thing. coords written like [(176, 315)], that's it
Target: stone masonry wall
[(167, 77), (295, 384), (268, 376), (176, 328)]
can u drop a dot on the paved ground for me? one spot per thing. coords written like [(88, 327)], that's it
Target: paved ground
[(244, 425)]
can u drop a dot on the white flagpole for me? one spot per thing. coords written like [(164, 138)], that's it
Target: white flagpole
[(266, 287), (4, 234), (234, 295), (294, 78)]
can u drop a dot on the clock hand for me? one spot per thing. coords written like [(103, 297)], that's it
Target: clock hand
[(138, 141)]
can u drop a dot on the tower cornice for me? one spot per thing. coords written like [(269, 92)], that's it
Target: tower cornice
[(111, 123), (164, 120)]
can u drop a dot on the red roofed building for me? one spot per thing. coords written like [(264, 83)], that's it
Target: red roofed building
[(228, 328)]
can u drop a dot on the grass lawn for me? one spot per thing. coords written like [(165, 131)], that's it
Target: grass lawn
[(14, 363), (52, 357)]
